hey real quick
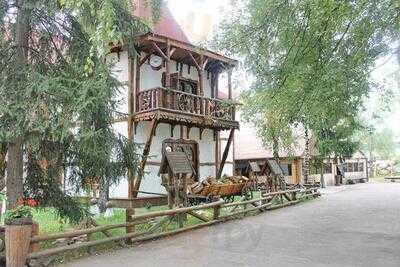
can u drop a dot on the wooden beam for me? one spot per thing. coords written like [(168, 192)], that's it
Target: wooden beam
[(196, 64), (204, 63), (143, 60), (173, 50), (198, 216), (226, 151), (185, 46), (160, 52), (146, 152)]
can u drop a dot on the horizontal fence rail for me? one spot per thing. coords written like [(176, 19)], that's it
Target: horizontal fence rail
[(169, 99)]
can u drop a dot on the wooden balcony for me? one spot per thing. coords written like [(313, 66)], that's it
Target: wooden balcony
[(177, 107)]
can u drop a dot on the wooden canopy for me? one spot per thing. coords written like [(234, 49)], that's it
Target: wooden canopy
[(185, 53)]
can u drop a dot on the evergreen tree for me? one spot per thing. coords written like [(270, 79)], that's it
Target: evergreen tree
[(58, 97)]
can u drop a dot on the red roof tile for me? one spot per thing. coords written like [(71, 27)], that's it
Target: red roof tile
[(166, 25)]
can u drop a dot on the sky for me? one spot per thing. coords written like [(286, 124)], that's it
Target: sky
[(199, 17)]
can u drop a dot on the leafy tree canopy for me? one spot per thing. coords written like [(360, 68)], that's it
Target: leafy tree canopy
[(311, 61)]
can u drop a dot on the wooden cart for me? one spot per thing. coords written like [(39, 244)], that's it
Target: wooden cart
[(226, 191)]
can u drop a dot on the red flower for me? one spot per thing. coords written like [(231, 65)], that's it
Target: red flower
[(31, 202)]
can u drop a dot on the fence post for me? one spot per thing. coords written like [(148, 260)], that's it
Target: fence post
[(217, 210), (129, 229), (34, 247), (17, 244)]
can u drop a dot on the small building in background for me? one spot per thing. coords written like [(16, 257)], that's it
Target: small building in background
[(251, 155)]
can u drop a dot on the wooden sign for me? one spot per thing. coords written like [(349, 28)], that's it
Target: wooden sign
[(254, 167), (275, 168), (178, 162)]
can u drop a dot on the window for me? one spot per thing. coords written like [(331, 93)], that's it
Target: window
[(349, 167), (354, 167), (287, 169), (360, 166), (327, 167)]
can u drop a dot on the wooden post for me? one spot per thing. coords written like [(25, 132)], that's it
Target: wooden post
[(34, 247), (230, 83), (134, 87), (167, 66), (217, 211), (225, 155), (201, 76), (17, 244)]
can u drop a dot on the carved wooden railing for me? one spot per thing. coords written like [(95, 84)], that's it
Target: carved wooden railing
[(162, 98)]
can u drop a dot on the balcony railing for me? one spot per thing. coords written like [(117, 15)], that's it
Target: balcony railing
[(185, 103)]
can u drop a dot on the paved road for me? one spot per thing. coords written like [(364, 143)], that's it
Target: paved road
[(357, 225)]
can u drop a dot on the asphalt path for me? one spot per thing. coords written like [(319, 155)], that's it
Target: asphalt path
[(354, 225)]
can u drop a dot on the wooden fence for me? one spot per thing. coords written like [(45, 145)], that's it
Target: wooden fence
[(29, 244)]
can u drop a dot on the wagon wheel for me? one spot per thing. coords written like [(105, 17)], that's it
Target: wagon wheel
[(184, 103)]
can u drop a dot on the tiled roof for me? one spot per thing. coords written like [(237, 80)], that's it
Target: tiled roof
[(166, 25)]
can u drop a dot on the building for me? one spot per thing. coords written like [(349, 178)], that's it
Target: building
[(172, 102), (249, 148)]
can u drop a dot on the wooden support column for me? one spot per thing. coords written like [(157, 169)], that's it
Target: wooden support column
[(134, 64), (167, 65), (230, 83), (146, 152), (225, 155)]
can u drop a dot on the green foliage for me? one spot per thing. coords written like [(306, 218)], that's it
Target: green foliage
[(311, 60), (18, 213), (380, 144), (62, 100)]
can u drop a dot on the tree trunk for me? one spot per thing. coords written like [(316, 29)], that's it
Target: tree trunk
[(275, 149), (3, 164), (14, 182), (15, 164), (103, 197)]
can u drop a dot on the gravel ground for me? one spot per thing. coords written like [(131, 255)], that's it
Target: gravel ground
[(355, 225)]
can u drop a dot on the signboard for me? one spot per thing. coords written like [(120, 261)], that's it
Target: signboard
[(275, 168), (179, 162), (254, 167)]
